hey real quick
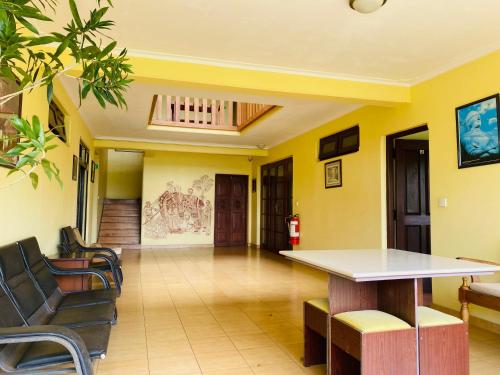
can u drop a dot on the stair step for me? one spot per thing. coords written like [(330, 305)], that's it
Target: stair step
[(122, 219), (107, 213), (119, 232), (122, 201), (124, 207), (119, 226), (126, 240)]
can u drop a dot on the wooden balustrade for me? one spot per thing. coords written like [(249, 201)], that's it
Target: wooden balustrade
[(188, 112)]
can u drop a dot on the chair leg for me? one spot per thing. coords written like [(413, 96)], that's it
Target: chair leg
[(464, 312), (314, 348)]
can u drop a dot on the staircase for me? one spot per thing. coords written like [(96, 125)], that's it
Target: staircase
[(120, 223)]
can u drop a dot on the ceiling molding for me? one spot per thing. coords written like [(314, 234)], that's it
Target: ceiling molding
[(456, 63), (262, 67), (177, 143)]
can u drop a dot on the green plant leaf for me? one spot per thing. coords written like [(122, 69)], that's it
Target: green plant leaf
[(50, 92), (34, 180), (74, 12), (47, 168)]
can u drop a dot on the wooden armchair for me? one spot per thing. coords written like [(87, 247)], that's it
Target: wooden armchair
[(478, 293)]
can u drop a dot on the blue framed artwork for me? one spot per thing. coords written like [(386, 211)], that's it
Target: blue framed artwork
[(478, 132)]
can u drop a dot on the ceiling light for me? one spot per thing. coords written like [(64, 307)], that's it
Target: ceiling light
[(366, 6)]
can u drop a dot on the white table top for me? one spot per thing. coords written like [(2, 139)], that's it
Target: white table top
[(390, 264)]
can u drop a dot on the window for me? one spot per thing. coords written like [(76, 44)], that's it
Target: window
[(57, 121)]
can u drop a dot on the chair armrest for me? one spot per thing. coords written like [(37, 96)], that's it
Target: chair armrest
[(76, 271), (475, 278), (479, 261), (58, 334), (105, 250)]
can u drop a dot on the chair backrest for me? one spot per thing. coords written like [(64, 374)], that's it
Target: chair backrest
[(78, 237), (69, 243), (9, 317), (17, 282), (35, 265)]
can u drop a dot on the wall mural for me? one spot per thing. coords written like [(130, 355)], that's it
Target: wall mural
[(175, 212)]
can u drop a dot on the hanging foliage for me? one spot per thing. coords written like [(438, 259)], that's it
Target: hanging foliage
[(35, 59)]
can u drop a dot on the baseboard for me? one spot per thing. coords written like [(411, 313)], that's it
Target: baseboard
[(473, 320), (176, 246)]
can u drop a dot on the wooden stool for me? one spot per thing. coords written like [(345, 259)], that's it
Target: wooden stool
[(315, 331), (444, 344), (371, 342)]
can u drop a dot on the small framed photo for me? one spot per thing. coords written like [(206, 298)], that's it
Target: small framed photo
[(333, 174), (478, 132), (93, 169), (74, 174)]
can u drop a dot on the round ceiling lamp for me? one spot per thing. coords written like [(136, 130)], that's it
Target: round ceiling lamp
[(366, 6)]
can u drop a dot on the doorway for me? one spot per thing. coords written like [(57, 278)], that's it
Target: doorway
[(82, 197), (276, 204), (231, 197), (408, 212)]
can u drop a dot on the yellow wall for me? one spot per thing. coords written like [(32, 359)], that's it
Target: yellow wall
[(124, 175), (41, 213), (353, 216), (182, 169)]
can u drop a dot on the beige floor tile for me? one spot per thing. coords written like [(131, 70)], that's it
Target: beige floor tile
[(224, 360), (211, 344), (233, 371), (250, 340), (174, 365), (266, 355)]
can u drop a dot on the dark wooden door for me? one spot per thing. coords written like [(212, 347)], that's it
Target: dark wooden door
[(276, 204), (82, 195), (412, 198), (231, 192)]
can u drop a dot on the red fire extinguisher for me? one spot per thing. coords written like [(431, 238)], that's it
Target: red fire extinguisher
[(294, 229)]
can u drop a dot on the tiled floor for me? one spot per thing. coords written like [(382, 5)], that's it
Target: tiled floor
[(229, 311)]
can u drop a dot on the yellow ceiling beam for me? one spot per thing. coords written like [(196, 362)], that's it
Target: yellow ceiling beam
[(259, 82), (153, 146), (158, 71)]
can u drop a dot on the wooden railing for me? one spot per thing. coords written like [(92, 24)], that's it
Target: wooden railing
[(188, 112)]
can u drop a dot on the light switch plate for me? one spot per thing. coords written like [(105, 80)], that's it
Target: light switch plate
[(443, 202)]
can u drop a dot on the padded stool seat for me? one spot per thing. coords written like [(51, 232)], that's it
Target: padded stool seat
[(368, 321), (320, 303), (428, 317), (444, 345), (372, 342)]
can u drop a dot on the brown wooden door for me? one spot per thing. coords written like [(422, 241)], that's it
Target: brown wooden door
[(276, 204), (231, 193), (412, 198)]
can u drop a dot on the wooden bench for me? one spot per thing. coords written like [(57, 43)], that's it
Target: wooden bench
[(478, 293)]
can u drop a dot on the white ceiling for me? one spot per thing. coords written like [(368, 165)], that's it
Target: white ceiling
[(405, 41), (296, 117)]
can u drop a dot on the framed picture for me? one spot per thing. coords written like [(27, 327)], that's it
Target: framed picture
[(74, 174), (8, 110), (478, 132), (333, 174), (93, 168)]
